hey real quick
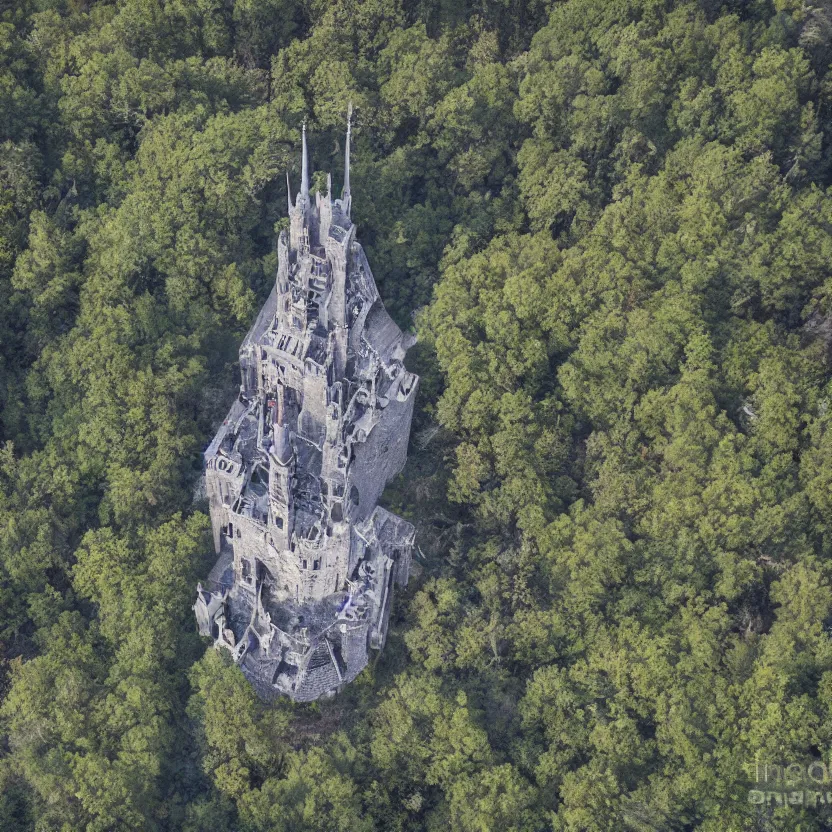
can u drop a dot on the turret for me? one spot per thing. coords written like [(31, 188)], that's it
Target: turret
[(281, 447), (325, 209), (281, 469), (338, 254)]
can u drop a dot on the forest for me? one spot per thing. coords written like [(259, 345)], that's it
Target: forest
[(610, 224)]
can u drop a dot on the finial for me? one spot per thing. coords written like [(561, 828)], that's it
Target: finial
[(304, 176), (345, 194), (288, 192)]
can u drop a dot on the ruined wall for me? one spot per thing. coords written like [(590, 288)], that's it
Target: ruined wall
[(380, 457)]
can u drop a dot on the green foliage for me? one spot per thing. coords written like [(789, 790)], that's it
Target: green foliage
[(609, 221), (241, 738)]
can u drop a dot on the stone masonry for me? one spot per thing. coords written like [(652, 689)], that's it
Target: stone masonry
[(307, 561)]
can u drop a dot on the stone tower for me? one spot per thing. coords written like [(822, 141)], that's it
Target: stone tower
[(307, 560)]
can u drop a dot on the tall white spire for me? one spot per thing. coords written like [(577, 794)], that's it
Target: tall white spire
[(288, 192), (346, 198), (304, 174)]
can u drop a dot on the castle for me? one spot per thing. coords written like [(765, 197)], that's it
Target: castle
[(307, 561)]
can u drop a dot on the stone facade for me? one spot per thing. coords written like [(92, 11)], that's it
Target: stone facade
[(307, 560)]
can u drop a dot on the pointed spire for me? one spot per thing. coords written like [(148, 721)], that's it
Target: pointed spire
[(329, 186), (289, 191), (346, 198), (304, 180)]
